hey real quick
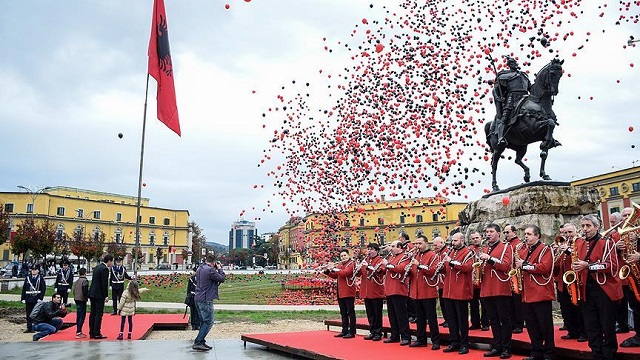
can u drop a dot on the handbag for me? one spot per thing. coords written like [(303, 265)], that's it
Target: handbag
[(189, 301)]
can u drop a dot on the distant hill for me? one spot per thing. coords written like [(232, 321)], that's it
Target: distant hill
[(218, 248)]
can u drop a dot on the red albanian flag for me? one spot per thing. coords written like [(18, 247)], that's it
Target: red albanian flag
[(161, 68)]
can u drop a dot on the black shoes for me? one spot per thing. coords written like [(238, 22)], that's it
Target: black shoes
[(622, 329), (390, 341), (405, 342), (568, 337), (474, 327), (484, 328), (417, 344), (451, 348), (200, 347), (463, 350), (435, 347), (631, 342), (582, 338), (369, 337), (517, 331), (492, 353), (412, 320), (377, 338), (505, 354), (445, 324), (348, 336), (340, 334), (100, 336)]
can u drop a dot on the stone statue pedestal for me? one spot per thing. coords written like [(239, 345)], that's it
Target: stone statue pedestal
[(547, 205)]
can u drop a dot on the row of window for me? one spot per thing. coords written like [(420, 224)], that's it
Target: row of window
[(613, 191), (97, 214), (118, 236), (403, 219)]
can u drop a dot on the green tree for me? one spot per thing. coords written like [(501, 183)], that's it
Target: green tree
[(159, 254), (45, 236), (239, 256), (198, 241), (118, 250), (5, 229), (23, 239)]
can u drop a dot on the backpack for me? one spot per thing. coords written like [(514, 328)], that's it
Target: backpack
[(36, 310)]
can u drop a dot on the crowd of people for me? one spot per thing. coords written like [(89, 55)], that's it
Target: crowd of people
[(505, 283)]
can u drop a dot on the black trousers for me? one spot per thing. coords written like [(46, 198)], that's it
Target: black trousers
[(571, 314), (374, 315), (539, 320), (443, 306), (63, 290), (116, 294), (635, 307), (195, 317), (622, 311), (458, 322), (348, 314), (517, 315), (600, 323), (426, 313), (411, 308), (29, 308), (498, 311), (398, 318), (476, 310), (95, 316)]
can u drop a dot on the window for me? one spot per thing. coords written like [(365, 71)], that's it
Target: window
[(78, 232), (402, 218), (118, 216), (60, 211), (167, 221), (80, 213), (362, 239), (165, 239), (9, 207), (380, 221), (635, 187), (152, 238), (152, 220), (419, 218), (614, 210), (381, 238), (613, 191), (96, 214), (361, 222), (30, 208), (435, 217), (59, 232), (118, 238)]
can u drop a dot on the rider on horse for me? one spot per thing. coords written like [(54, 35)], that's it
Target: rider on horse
[(510, 87)]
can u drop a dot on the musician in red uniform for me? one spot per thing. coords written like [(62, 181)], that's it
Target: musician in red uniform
[(622, 307), (479, 318), (517, 315), (458, 290), (396, 289), (441, 248), (408, 248), (346, 293), (372, 290), (571, 314), (424, 291), (536, 265), (598, 268), (634, 257), (495, 290)]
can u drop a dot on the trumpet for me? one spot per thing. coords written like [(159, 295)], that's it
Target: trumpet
[(557, 242), (630, 269)]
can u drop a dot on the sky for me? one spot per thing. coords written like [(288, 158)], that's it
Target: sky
[(74, 73)]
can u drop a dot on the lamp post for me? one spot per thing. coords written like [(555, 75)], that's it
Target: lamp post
[(631, 41), (34, 194)]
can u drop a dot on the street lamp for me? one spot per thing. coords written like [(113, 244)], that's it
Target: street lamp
[(34, 194), (631, 41)]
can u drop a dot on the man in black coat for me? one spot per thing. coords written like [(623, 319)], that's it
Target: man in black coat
[(99, 295)]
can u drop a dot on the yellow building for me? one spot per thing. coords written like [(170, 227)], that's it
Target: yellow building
[(617, 190), (380, 222), (92, 213)]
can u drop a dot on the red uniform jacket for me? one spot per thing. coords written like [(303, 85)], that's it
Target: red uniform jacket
[(563, 264), (422, 287), (394, 275), (457, 275), (537, 273), (372, 281), (344, 273), (604, 257), (495, 272)]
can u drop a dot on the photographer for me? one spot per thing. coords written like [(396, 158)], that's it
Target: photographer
[(49, 318), (208, 277)]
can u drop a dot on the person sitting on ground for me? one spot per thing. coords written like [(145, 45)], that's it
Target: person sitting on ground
[(49, 319)]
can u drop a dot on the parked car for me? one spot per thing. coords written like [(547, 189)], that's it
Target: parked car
[(6, 270), (163, 267)]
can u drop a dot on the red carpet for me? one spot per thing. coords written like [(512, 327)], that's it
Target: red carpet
[(143, 324), (322, 345)]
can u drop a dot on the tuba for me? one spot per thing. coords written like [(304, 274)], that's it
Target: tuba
[(570, 277), (516, 274), (630, 246)]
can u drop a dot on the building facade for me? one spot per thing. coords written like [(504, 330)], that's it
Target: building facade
[(93, 213), (242, 235), (617, 189)]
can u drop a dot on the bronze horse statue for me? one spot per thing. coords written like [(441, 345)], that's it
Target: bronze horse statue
[(531, 121)]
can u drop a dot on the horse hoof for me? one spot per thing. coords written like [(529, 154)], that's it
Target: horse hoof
[(546, 177), (526, 179), (496, 188)]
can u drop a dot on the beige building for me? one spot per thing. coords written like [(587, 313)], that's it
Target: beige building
[(92, 213)]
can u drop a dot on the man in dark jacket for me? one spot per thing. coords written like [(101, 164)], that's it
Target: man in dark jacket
[(33, 291), (49, 318), (208, 277), (99, 295), (118, 274)]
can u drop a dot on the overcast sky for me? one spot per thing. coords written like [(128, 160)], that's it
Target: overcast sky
[(73, 76)]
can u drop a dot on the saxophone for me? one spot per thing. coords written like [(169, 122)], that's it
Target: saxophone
[(630, 269), (570, 277), (478, 265), (516, 273)]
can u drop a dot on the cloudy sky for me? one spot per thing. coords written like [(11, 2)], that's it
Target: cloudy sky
[(73, 77)]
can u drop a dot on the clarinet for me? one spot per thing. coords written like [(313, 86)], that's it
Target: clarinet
[(407, 268), (375, 268), (439, 266)]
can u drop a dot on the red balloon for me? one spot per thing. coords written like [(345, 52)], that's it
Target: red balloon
[(630, 128), (227, 6), (506, 200), (379, 47)]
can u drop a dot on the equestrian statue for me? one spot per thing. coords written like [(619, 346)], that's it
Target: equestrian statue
[(523, 114)]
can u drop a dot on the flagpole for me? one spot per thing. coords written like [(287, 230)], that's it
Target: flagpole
[(144, 127)]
